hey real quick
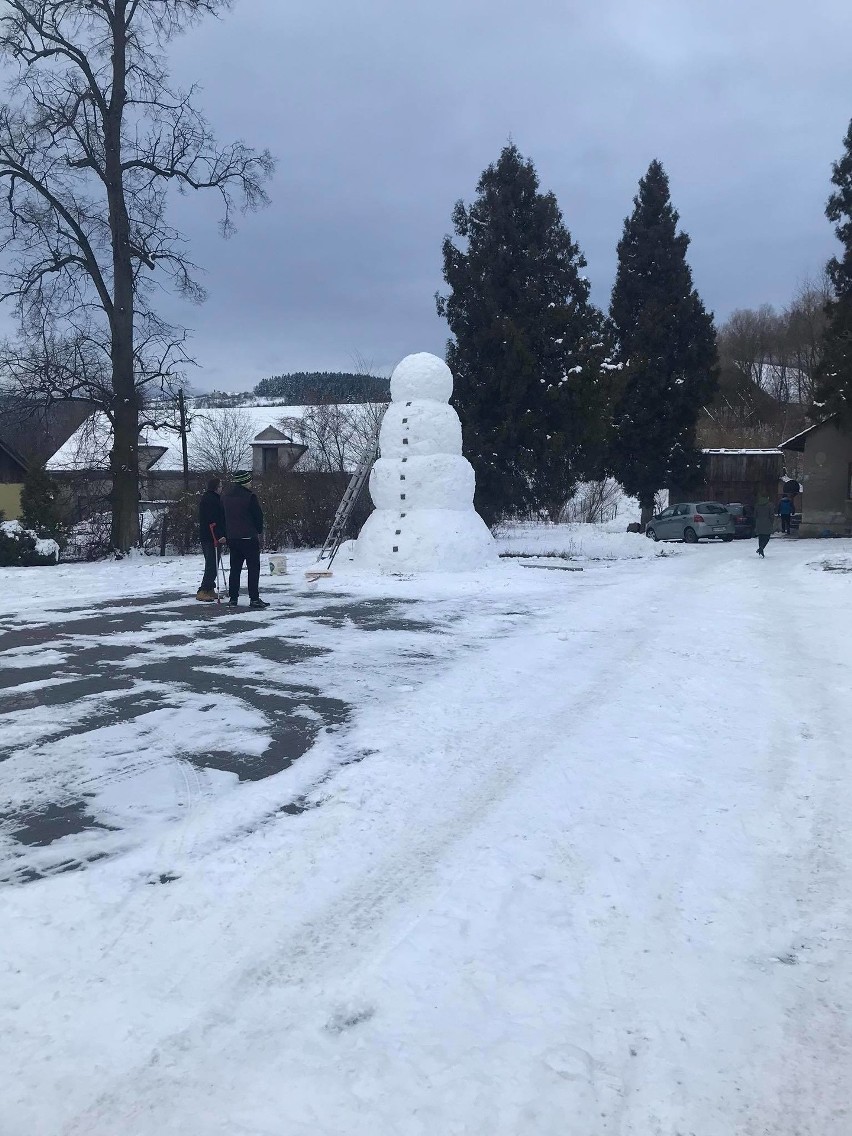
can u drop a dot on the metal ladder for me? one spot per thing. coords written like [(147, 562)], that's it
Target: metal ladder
[(344, 510)]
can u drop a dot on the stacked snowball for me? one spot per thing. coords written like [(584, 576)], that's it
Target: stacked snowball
[(421, 486)]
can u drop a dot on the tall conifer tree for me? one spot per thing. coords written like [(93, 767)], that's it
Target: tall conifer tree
[(528, 347), (834, 379), (667, 344)]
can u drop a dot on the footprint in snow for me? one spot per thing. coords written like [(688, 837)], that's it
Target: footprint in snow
[(346, 1017)]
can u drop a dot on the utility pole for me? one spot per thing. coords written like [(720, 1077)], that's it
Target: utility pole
[(182, 412)]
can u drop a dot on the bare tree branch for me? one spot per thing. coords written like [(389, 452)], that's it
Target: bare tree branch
[(92, 136)]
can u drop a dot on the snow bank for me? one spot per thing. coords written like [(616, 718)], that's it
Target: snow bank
[(579, 542)]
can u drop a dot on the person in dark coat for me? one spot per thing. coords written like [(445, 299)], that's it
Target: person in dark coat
[(244, 524), (785, 512), (764, 523), (211, 513)]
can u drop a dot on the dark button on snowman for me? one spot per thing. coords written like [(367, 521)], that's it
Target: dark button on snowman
[(422, 487)]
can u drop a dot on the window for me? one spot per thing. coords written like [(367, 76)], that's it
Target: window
[(270, 459), (680, 510), (666, 513), (711, 507)]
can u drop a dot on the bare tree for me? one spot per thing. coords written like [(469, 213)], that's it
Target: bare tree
[(806, 321), (745, 340), (594, 502), (339, 436), (91, 137), (219, 440)]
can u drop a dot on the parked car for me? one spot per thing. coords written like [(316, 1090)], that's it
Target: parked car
[(743, 519), (692, 521)]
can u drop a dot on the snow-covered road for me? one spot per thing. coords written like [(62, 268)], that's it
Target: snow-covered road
[(587, 871)]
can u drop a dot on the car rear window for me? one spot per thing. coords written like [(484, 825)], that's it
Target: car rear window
[(711, 507)]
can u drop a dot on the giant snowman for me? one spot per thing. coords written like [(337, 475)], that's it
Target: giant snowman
[(422, 487)]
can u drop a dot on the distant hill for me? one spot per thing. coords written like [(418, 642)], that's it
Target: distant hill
[(305, 388)]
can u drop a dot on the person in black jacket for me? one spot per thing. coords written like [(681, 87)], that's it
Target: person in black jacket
[(210, 513), (244, 523)]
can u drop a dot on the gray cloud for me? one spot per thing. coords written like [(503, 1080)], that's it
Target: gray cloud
[(383, 113)]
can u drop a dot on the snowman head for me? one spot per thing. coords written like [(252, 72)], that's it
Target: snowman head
[(421, 376)]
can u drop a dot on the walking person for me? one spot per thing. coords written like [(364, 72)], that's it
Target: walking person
[(211, 528), (764, 522), (785, 512), (244, 526)]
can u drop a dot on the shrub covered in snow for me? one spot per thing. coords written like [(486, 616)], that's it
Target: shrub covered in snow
[(22, 548)]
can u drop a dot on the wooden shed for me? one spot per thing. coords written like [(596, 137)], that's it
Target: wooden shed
[(736, 475)]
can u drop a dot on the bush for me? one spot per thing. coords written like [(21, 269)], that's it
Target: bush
[(91, 540), (181, 520), (20, 548), (41, 507), (299, 508)]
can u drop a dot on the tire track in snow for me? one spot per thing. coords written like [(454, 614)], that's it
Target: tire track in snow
[(379, 907)]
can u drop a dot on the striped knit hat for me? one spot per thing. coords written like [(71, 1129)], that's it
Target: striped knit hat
[(242, 477)]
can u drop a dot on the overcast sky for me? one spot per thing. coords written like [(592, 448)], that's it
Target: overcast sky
[(382, 113)]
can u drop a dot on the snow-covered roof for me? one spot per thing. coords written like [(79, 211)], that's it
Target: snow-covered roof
[(797, 442), (738, 450), (160, 447), (89, 446)]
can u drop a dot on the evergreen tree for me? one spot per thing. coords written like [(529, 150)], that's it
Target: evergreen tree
[(41, 509), (834, 378), (667, 345), (528, 347), (317, 387)]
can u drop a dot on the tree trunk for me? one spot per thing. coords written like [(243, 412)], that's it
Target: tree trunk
[(647, 506), (124, 459), (183, 450), (124, 462)]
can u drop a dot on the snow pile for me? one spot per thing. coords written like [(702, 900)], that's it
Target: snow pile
[(421, 486), (43, 546), (578, 542)]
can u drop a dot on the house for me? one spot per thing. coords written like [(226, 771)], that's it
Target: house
[(826, 449), (36, 429), (272, 451), (30, 432), (217, 438), (13, 471), (736, 475)]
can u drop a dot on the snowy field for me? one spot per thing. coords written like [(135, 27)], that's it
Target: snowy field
[(523, 852)]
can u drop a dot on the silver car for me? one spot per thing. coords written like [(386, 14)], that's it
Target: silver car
[(692, 521)]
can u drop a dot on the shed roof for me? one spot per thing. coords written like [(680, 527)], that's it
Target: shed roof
[(764, 453), (798, 441)]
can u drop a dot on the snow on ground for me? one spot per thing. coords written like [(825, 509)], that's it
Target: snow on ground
[(549, 853), (581, 542)]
